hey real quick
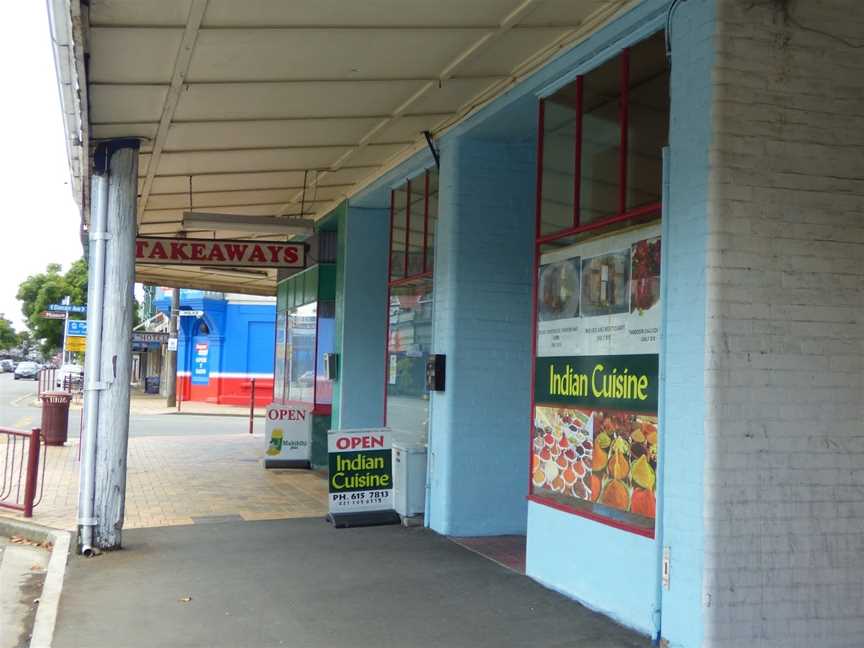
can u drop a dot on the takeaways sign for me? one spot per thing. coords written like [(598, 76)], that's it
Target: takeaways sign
[(232, 254)]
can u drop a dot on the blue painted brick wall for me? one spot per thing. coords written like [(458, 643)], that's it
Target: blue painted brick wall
[(685, 247), (482, 323)]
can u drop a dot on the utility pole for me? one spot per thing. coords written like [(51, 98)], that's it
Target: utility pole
[(106, 442), (65, 329), (171, 377)]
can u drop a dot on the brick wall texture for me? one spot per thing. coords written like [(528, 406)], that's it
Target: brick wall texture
[(784, 433)]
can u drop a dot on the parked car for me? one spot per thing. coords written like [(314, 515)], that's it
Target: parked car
[(69, 377), (27, 370), (7, 366)]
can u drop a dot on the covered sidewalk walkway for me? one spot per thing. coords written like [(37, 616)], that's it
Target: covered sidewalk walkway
[(302, 583)]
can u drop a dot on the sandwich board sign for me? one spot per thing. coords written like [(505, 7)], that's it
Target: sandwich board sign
[(361, 477), (287, 436)]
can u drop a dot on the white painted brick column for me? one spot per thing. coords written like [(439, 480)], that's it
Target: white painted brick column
[(784, 473)]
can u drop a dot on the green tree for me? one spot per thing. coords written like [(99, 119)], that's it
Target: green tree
[(38, 291), (8, 337), (25, 343)]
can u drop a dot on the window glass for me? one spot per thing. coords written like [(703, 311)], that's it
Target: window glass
[(398, 233), (648, 121), (301, 353), (601, 142), (279, 362), (326, 344), (559, 150), (409, 344), (433, 219), (416, 220)]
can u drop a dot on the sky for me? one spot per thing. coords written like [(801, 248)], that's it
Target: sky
[(41, 220)]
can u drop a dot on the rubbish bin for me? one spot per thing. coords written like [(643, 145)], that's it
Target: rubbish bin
[(55, 417), (151, 384)]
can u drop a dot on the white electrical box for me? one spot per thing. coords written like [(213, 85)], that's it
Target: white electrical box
[(409, 478)]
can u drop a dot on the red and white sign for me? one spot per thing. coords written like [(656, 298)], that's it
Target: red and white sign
[(230, 254)]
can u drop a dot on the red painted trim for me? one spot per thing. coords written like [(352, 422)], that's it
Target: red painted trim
[(407, 225), (411, 279), (390, 242), (634, 214), (577, 155), (541, 125), (624, 116), (645, 533), (426, 223)]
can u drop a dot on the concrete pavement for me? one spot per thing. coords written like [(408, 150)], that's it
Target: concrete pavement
[(22, 572), (302, 583), (181, 469)]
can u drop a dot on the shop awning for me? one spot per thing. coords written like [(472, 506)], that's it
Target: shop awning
[(283, 109)]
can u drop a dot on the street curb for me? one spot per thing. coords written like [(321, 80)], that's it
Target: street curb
[(49, 601)]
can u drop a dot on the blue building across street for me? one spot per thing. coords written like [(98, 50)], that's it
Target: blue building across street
[(224, 341)]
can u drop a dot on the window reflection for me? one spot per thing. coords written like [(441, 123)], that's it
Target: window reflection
[(409, 344)]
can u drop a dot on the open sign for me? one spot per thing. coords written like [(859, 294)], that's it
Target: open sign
[(287, 436), (286, 414), (354, 442)]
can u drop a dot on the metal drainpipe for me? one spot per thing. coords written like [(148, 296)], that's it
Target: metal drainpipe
[(93, 358)]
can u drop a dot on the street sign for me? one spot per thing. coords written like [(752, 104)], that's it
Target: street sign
[(191, 313), (76, 328), (67, 308), (144, 336), (52, 315), (76, 344)]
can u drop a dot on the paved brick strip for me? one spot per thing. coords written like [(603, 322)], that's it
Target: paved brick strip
[(173, 479)]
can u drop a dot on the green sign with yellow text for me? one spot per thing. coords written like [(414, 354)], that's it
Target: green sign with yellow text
[(622, 382)]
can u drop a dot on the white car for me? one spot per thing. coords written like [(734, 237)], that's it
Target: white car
[(69, 377)]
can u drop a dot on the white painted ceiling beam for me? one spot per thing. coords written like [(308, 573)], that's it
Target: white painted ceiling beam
[(181, 68)]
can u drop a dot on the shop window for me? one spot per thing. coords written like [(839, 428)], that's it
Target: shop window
[(303, 335), (595, 438), (414, 206), (432, 220), (408, 346), (601, 141), (398, 229), (413, 217)]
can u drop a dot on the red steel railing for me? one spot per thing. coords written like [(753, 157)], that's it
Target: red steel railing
[(20, 478), (46, 381)]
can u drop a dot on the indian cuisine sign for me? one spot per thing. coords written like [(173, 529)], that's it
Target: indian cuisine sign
[(595, 442), (361, 473), (626, 382), (231, 254)]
